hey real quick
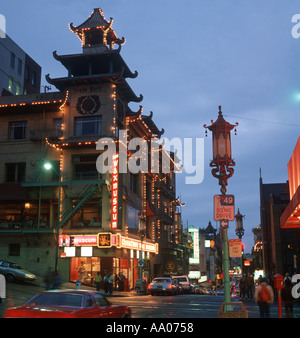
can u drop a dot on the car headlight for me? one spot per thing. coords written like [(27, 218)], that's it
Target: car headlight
[(29, 276)]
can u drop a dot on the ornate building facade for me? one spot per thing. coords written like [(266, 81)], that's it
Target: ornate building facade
[(73, 214)]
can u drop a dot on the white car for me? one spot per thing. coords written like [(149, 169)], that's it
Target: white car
[(13, 271), (163, 285), (185, 283)]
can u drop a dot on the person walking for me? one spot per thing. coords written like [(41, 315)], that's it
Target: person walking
[(110, 283), (242, 286), (105, 281), (121, 281), (57, 280), (98, 280), (48, 279), (286, 295), (264, 296), (249, 286)]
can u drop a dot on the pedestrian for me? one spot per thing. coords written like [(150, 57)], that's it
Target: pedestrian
[(242, 287), (57, 280), (105, 282), (81, 272), (249, 286), (121, 281), (98, 280), (110, 283), (117, 282), (264, 296), (286, 295), (48, 279)]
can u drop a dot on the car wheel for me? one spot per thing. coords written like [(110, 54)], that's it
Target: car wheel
[(9, 277)]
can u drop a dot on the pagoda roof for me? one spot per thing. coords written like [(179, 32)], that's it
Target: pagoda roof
[(100, 59), (97, 21), (48, 100), (116, 78)]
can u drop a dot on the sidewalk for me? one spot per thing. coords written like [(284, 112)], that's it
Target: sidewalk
[(70, 285)]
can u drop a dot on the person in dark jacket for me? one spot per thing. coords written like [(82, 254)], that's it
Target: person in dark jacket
[(287, 298)]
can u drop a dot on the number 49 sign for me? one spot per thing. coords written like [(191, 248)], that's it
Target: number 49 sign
[(224, 207)]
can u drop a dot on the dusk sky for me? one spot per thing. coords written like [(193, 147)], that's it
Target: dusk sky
[(193, 56)]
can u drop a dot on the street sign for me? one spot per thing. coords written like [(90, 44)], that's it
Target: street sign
[(141, 262), (224, 207), (235, 248)]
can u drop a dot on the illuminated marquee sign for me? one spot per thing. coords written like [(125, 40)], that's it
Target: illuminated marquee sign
[(84, 240), (114, 191), (135, 244), (196, 254)]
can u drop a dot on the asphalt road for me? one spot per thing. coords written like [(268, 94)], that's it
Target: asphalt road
[(147, 306)]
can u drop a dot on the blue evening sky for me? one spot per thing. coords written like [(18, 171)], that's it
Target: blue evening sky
[(193, 56)]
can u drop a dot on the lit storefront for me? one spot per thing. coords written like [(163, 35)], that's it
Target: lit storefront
[(291, 215), (105, 252)]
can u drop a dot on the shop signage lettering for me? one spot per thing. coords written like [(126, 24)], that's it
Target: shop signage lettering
[(114, 191)]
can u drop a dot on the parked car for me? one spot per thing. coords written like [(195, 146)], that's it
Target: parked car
[(13, 271), (163, 285), (68, 304), (185, 282)]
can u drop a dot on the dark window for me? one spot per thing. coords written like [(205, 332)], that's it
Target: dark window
[(12, 60), (19, 66), (15, 172), (133, 184), (91, 125), (33, 79), (27, 73), (85, 167), (14, 249), (18, 130)]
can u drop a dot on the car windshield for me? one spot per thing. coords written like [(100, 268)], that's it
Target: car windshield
[(57, 299), (161, 280), (181, 279), (15, 266)]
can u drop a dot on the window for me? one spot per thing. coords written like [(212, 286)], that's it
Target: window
[(18, 88), (57, 127), (12, 60), (100, 300), (132, 219), (15, 172), (10, 84), (14, 249), (18, 130), (89, 301), (91, 125), (27, 73), (19, 66), (33, 79), (85, 166)]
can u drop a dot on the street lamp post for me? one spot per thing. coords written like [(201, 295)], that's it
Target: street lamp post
[(142, 234), (222, 164), (49, 166)]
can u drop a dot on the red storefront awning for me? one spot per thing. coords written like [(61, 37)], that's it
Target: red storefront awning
[(291, 215)]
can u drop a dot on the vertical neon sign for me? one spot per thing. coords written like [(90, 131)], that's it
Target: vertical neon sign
[(114, 191)]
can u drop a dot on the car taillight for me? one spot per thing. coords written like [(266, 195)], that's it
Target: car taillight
[(170, 286), (149, 286)]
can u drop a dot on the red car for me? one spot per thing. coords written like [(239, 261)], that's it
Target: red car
[(68, 304)]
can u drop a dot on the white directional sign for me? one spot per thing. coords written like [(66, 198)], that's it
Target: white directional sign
[(224, 207)]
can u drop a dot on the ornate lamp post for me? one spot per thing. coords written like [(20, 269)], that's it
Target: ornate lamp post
[(222, 164), (222, 161), (142, 234)]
